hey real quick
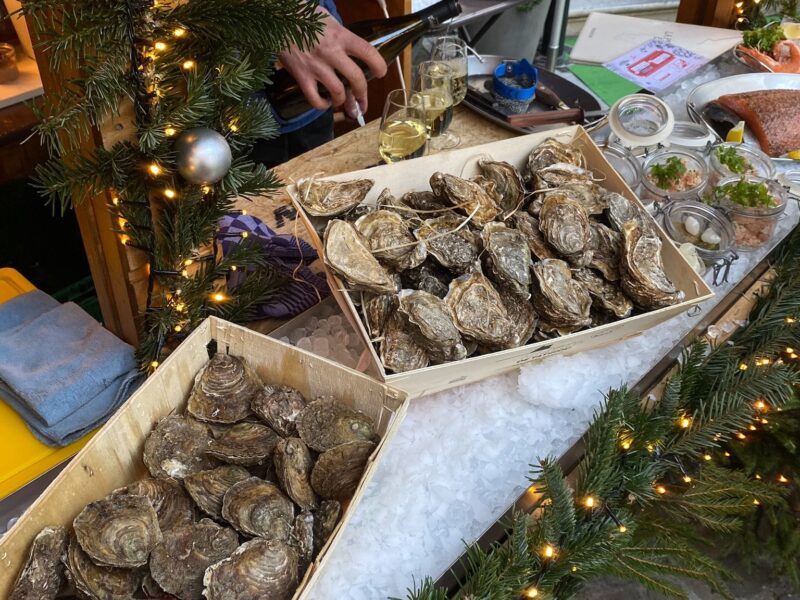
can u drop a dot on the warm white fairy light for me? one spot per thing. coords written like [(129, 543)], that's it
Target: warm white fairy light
[(160, 46), (179, 32), (170, 193), (188, 64), (170, 131), (154, 169)]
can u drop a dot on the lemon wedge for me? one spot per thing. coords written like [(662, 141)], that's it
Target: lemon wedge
[(794, 154), (736, 135)]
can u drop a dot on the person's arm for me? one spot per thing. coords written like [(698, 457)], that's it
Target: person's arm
[(331, 55)]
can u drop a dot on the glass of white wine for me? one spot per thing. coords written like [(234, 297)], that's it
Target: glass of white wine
[(452, 51), (434, 90), (403, 133)]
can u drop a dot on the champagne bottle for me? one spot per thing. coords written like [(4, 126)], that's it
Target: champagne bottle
[(388, 36)]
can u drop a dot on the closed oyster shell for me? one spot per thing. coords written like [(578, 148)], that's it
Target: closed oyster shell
[(179, 562), (588, 194), (257, 570), (243, 444), (643, 277), (550, 152), (279, 406), (391, 241), (454, 248), (303, 538), (431, 325), (559, 174), (529, 227), (565, 226), (208, 488), (508, 258), (325, 519), (326, 423), (223, 389), (562, 302), (349, 255), (425, 202), (260, 508), (177, 448), (606, 246), (118, 531), (339, 470), (399, 351), (331, 198), (171, 503), (468, 196), (43, 574), (523, 318), (428, 277), (605, 295), (293, 463), (377, 310), (478, 311), (508, 183), (621, 210), (96, 582)]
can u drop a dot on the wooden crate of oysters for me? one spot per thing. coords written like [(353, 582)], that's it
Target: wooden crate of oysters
[(458, 266), (220, 479)]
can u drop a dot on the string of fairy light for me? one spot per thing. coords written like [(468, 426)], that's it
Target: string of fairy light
[(594, 504), (144, 69)]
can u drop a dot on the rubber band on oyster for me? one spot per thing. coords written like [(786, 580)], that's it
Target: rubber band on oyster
[(171, 503), (348, 254), (223, 389), (327, 423), (331, 198), (208, 488), (179, 562), (643, 277), (338, 471), (43, 574), (245, 444), (293, 463), (508, 258), (279, 406), (177, 448), (562, 303), (118, 531), (258, 507)]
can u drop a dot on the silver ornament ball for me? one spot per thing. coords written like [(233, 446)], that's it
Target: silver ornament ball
[(203, 155)]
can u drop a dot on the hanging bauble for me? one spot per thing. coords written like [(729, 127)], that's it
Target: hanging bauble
[(203, 155)]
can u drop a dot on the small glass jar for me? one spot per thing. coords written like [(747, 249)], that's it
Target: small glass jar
[(754, 226), (688, 189), (8, 63), (759, 163), (690, 136), (685, 221), (625, 164)]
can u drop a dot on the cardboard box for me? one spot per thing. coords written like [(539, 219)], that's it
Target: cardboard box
[(413, 175), (113, 458)]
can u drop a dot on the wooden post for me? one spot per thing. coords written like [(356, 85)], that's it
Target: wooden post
[(713, 13)]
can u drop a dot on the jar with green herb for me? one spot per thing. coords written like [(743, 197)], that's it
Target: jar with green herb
[(728, 160), (673, 174), (754, 204)]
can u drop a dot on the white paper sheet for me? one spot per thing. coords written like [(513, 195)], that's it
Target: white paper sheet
[(656, 64)]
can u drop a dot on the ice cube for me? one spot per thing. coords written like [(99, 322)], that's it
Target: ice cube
[(304, 343), (321, 346), (335, 321), (296, 335)]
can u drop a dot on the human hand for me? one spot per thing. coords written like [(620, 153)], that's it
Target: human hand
[(331, 55)]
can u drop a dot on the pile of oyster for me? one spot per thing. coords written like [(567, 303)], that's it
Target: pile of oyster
[(244, 491), (490, 263)]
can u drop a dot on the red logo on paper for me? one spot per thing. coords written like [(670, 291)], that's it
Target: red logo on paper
[(653, 62)]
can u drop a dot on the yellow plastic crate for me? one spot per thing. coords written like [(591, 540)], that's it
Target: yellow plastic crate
[(22, 457)]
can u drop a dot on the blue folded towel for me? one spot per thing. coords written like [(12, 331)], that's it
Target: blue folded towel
[(60, 369)]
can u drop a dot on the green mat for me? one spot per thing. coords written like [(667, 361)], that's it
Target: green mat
[(607, 85)]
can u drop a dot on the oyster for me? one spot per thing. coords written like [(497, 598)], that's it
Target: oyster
[(257, 570), (279, 406), (177, 448), (96, 582), (399, 351), (606, 246), (604, 295), (325, 519), (559, 174), (348, 254), (303, 538), (588, 194), (179, 562), (293, 464), (642, 272), (478, 311), (377, 310), (425, 202), (168, 498), (523, 318), (326, 423), (243, 444), (563, 303), (391, 241), (454, 248), (550, 152), (43, 574), (431, 325), (339, 470), (529, 227), (223, 389), (207, 488), (508, 183), (331, 198), (565, 226), (467, 196), (118, 531), (258, 507), (508, 258), (428, 277), (621, 210), (358, 212)]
